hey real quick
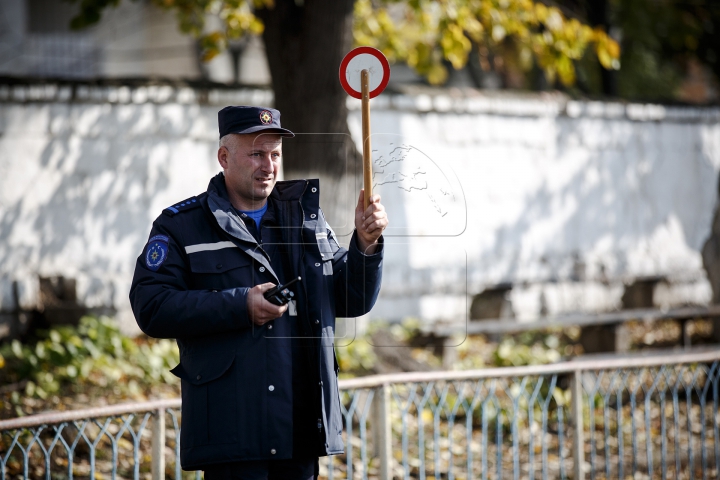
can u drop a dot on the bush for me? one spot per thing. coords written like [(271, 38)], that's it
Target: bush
[(94, 353)]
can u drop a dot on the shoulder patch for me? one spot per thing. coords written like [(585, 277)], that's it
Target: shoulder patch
[(183, 206), (156, 252)]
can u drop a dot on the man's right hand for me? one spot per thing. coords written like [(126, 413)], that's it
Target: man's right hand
[(259, 309)]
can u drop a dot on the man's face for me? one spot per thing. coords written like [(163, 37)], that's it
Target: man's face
[(251, 163)]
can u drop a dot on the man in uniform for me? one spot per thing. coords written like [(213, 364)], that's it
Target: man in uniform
[(259, 381)]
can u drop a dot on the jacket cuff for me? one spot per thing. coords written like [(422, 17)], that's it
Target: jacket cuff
[(354, 245), (237, 298)]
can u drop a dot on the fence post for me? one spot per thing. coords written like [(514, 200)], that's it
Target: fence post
[(577, 422), (158, 445), (382, 433)]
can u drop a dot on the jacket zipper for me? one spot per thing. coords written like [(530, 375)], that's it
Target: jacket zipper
[(318, 351)]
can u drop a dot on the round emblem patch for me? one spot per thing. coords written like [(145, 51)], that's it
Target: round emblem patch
[(156, 252), (266, 117)]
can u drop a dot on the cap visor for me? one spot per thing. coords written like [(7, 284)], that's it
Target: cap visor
[(268, 129)]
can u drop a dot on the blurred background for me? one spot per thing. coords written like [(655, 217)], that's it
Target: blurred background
[(550, 170)]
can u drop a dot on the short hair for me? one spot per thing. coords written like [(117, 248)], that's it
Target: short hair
[(229, 141)]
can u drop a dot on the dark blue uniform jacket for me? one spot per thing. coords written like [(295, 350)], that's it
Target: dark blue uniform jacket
[(191, 283)]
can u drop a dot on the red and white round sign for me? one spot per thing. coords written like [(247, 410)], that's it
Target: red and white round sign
[(364, 58)]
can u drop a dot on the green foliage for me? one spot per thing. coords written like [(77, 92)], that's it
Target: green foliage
[(513, 352), (657, 36), (355, 358), (90, 12), (94, 353), (424, 33)]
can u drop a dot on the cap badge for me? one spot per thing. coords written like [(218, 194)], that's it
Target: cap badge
[(266, 117)]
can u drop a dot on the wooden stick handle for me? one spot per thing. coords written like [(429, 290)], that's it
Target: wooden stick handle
[(367, 150)]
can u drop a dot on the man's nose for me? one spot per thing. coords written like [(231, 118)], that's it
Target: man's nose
[(267, 164)]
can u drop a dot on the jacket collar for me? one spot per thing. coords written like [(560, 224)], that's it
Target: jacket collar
[(229, 221), (223, 211)]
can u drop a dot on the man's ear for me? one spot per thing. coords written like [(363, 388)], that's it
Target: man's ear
[(222, 156)]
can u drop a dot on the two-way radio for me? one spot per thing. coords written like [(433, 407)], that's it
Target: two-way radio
[(281, 294)]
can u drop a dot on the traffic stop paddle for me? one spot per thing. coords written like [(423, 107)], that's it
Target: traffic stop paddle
[(364, 74)]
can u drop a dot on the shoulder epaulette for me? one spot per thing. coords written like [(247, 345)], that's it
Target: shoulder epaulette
[(183, 206)]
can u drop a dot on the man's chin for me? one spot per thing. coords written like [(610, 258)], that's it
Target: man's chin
[(263, 193)]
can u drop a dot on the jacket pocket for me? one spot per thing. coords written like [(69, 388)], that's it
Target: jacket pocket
[(219, 269), (218, 261), (209, 386)]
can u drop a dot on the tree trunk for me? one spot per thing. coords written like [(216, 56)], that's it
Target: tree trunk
[(711, 262), (305, 42), (598, 16)]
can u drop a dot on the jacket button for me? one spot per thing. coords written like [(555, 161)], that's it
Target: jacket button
[(269, 327), (317, 322), (271, 388), (313, 189), (273, 451), (262, 269), (218, 266), (198, 377), (317, 264), (312, 215)]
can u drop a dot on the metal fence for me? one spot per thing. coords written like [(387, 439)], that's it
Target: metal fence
[(648, 416)]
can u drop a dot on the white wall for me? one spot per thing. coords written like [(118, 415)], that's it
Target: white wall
[(567, 200)]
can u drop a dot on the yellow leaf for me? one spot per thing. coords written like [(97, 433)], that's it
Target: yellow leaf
[(209, 54), (566, 70), (498, 33), (541, 11), (613, 48), (437, 74), (604, 57)]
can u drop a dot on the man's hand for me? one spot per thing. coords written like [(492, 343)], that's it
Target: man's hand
[(260, 310), (369, 222)]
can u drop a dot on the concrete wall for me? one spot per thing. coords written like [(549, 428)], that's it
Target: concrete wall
[(567, 201)]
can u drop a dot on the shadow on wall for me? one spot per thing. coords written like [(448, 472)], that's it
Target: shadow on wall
[(94, 177), (639, 203)]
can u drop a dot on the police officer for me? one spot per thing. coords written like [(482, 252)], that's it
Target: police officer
[(259, 381)]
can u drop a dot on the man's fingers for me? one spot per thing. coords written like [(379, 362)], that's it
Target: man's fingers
[(264, 287), (262, 311), (269, 311), (375, 211), (361, 201), (378, 224), (374, 201), (372, 208), (374, 217)]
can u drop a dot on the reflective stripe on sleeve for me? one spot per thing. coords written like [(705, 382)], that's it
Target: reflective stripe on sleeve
[(202, 247)]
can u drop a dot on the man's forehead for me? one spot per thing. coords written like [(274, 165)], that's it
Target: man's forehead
[(262, 140)]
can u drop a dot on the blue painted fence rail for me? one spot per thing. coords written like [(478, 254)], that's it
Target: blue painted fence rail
[(644, 416)]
